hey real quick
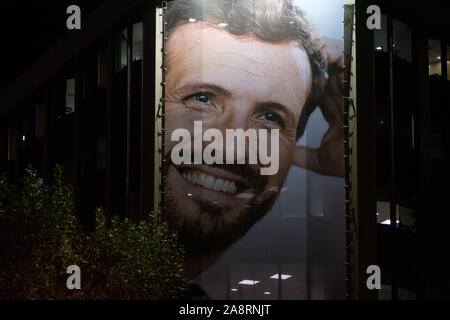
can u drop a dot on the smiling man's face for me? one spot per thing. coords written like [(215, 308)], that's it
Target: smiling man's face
[(228, 82)]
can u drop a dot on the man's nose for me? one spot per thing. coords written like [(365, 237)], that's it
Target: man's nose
[(235, 118), (235, 115)]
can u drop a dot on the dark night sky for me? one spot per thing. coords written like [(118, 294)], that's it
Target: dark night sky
[(29, 28)]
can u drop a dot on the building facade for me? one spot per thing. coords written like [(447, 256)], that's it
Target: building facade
[(91, 104)]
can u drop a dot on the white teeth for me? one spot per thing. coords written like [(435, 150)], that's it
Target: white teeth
[(218, 185), (194, 178), (232, 188), (209, 182), (225, 186)]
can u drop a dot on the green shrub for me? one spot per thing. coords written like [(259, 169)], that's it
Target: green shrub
[(40, 236)]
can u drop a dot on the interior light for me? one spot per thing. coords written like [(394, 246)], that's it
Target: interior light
[(234, 289), (439, 57), (23, 138), (388, 222), (192, 20), (248, 282), (267, 293), (283, 276), (189, 194), (379, 48)]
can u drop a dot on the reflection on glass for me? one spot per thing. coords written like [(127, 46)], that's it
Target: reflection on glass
[(434, 57), (70, 95), (137, 41), (121, 50), (380, 36), (402, 41), (448, 62)]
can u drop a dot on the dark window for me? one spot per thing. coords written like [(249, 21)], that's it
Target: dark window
[(12, 143), (121, 50), (102, 72), (40, 120), (402, 41), (380, 36), (137, 41), (448, 62), (70, 96)]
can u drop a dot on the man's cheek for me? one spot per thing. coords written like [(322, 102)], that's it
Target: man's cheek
[(286, 155), (269, 151)]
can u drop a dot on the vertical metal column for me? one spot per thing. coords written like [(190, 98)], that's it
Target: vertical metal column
[(162, 107), (444, 57), (364, 246), (128, 126), (393, 202), (109, 98), (348, 44)]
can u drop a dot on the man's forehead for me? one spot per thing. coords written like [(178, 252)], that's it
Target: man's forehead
[(203, 37), (199, 50)]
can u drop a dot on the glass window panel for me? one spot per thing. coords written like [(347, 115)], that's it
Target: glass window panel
[(101, 153), (434, 57), (102, 73), (402, 41), (12, 143), (121, 50), (137, 41), (40, 120), (380, 36), (70, 96), (448, 62)]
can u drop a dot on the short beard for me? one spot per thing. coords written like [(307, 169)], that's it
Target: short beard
[(191, 232)]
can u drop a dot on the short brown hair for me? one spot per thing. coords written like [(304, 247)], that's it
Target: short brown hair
[(273, 21)]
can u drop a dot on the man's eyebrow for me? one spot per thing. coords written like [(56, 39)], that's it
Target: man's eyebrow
[(203, 86), (278, 106)]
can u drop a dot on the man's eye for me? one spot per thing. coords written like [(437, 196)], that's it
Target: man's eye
[(202, 97), (199, 98), (273, 117)]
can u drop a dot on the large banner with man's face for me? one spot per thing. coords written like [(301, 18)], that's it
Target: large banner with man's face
[(254, 146)]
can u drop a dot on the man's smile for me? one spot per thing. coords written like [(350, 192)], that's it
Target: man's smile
[(215, 185), (210, 182)]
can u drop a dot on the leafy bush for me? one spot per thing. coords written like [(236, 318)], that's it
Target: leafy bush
[(40, 236)]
